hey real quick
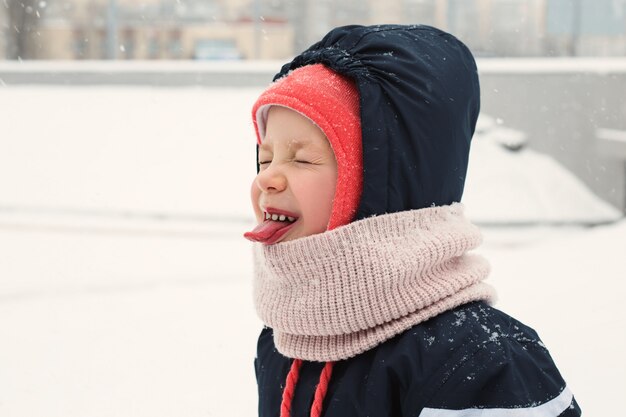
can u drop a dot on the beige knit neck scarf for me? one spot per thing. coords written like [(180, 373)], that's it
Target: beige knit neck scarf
[(336, 294)]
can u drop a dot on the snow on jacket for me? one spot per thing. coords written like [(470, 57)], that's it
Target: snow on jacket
[(473, 361)]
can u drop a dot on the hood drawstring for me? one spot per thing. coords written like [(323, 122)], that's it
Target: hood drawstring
[(320, 391)]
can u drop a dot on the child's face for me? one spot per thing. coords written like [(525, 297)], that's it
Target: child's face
[(297, 178)]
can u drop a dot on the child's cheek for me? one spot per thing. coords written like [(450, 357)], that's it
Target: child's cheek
[(317, 197)]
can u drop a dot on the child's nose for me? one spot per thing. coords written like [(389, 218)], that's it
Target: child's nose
[(271, 180)]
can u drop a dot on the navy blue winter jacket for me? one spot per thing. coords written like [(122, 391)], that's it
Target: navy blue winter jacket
[(473, 361), (419, 99)]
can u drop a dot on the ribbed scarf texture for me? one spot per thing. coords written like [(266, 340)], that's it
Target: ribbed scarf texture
[(339, 293)]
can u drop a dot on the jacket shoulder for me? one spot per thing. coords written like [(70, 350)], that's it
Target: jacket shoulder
[(481, 359), (472, 357)]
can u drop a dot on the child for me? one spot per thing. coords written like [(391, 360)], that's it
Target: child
[(373, 304)]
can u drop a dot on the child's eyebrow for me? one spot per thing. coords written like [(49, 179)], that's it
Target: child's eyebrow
[(294, 144)]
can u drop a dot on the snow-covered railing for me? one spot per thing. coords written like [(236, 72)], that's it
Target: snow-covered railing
[(153, 73), (249, 73), (560, 65), (611, 142)]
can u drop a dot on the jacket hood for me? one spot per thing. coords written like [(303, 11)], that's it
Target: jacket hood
[(419, 101)]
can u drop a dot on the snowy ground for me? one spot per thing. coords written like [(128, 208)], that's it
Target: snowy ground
[(125, 284)]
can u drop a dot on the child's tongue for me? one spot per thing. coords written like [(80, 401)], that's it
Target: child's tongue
[(268, 232)]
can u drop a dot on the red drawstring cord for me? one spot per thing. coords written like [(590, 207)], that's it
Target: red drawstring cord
[(320, 391), (290, 387)]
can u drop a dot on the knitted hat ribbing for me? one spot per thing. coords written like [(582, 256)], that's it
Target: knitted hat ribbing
[(331, 101)]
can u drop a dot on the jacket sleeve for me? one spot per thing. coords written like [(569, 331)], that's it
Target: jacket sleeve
[(506, 376)]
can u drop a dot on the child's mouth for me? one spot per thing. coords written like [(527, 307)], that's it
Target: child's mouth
[(273, 228)]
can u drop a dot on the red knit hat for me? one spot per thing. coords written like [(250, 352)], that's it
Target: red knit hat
[(331, 101)]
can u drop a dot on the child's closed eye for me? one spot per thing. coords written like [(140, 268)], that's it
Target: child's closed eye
[(263, 165)]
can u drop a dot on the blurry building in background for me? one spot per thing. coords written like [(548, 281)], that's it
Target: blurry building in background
[(277, 29), (587, 27), (499, 28), (19, 20), (153, 29), (502, 28)]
